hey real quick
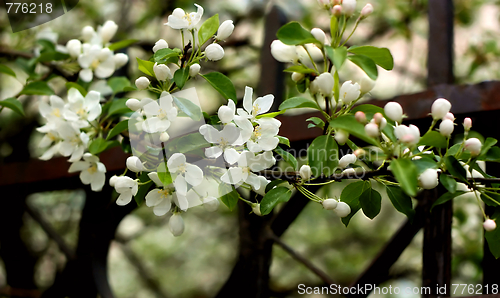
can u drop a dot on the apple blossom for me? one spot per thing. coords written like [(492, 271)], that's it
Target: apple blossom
[(343, 209), (440, 107), (449, 116), (176, 224), (226, 113), (489, 225), (319, 35), (179, 19), (330, 204), (428, 179), (473, 145), (409, 135), (184, 173), (223, 140), (394, 111), (263, 136), (160, 44), (194, 70), (305, 172), (284, 53), (259, 106), (467, 124), (366, 11), (87, 33), (256, 209), (74, 47), (120, 60), (337, 10), (159, 114), (446, 127), (135, 164), (372, 130), (74, 142), (325, 83), (142, 83), (349, 92), (366, 85), (107, 31), (360, 117), (248, 162), (225, 30), (341, 136), (96, 60), (92, 171), (211, 204), (348, 7), (126, 187), (297, 76), (347, 160), (214, 52), (112, 180), (133, 104), (162, 72), (161, 198)]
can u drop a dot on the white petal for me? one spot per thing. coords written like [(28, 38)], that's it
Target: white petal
[(233, 175), (86, 177), (213, 152), (86, 75), (106, 68), (181, 202), (231, 156), (194, 175), (180, 185), (78, 166), (154, 176), (247, 99), (163, 207), (124, 199), (153, 197), (98, 180), (263, 104), (175, 161), (210, 134)]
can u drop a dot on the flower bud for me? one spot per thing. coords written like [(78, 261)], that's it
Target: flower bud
[(348, 6), (211, 204), (87, 33), (325, 83), (330, 204), (467, 124), (337, 10), (134, 164), (120, 60), (112, 180), (341, 136), (284, 53), (226, 114), (108, 30), (440, 108), (319, 35), (225, 30), (473, 145), (142, 83), (428, 179), (214, 52), (360, 117), (176, 224), (194, 70), (305, 172), (366, 85), (359, 153), (489, 225), (297, 76), (372, 130), (407, 135), (394, 111), (104, 54), (349, 92), (164, 137), (162, 72), (342, 209), (74, 47), (347, 160), (133, 104), (449, 116), (256, 209), (160, 44), (366, 11), (446, 127), (324, 3)]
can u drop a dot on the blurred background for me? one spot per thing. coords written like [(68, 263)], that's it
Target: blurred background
[(145, 260)]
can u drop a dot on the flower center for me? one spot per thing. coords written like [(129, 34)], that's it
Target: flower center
[(164, 193), (95, 64), (76, 140), (246, 169), (255, 110), (182, 169), (187, 17), (256, 133), (56, 112), (92, 169), (162, 114), (81, 112), (223, 143), (51, 136)]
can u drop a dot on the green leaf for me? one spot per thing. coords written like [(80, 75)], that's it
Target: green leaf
[(164, 174), (493, 239), (493, 154), (446, 197), (192, 110), (316, 122), (366, 64), (449, 183), (298, 102), (7, 70), (123, 125), (208, 29), (47, 45), (381, 56), (371, 202), (455, 168), (118, 107), (302, 85), (52, 56), (78, 87), (349, 124), (181, 76), (401, 201), (187, 143), (228, 195), (493, 199), (283, 140), (143, 189), (146, 67), (118, 84), (166, 56), (269, 115), (488, 143), (337, 56), (99, 145), (13, 104), (293, 34), (424, 163), (37, 88), (222, 84), (405, 173), (323, 155), (350, 195), (274, 183), (290, 159), (273, 197), (122, 44), (300, 69), (434, 139), (333, 25)]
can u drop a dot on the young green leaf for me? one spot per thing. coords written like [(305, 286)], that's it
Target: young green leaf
[(366, 64), (446, 197), (273, 197), (274, 183), (298, 102), (122, 44), (455, 168), (434, 139), (164, 174), (493, 239), (13, 104), (371, 202), (322, 155), (146, 67), (123, 125), (349, 124), (424, 163), (337, 56), (405, 173), (293, 34), (99, 145), (192, 110), (118, 107), (401, 201), (78, 87), (287, 157), (316, 122), (52, 56), (166, 55), (222, 84), (37, 88), (7, 70), (283, 140), (449, 183), (350, 195), (228, 195), (381, 56), (181, 76), (118, 84), (208, 29), (300, 69)]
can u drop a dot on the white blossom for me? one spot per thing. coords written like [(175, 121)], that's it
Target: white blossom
[(120, 60), (82, 110), (325, 83), (256, 209), (225, 30), (305, 172), (260, 106), (226, 113), (394, 111), (184, 173), (179, 19), (96, 60), (223, 140), (446, 127), (159, 114), (248, 162), (297, 76), (341, 136), (330, 204), (319, 35), (428, 179), (440, 107), (160, 44), (107, 31), (142, 83), (467, 124), (284, 53), (347, 160), (372, 130), (342, 209), (74, 47), (92, 171), (126, 187), (366, 11), (176, 224), (348, 7), (134, 164), (133, 104), (366, 85), (264, 135), (349, 92), (214, 52), (409, 135), (74, 142), (489, 225), (194, 70), (473, 145), (162, 72)]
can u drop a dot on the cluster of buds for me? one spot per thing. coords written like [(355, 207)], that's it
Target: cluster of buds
[(342, 209)]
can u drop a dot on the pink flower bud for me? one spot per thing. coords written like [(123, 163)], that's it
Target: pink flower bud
[(446, 127), (449, 116), (467, 124), (489, 225), (372, 130), (440, 108), (473, 145), (359, 153), (366, 11), (337, 10), (378, 118), (360, 117)]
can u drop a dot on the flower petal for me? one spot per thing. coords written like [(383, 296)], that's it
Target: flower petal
[(194, 175)]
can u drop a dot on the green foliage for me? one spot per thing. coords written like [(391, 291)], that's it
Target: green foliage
[(446, 197), (7, 70), (493, 239), (290, 159), (208, 29), (122, 44), (293, 34), (222, 84), (405, 173), (300, 69), (273, 197), (449, 183), (163, 56), (146, 67), (370, 202), (401, 201), (99, 145), (349, 124), (455, 168), (117, 129), (189, 108), (316, 122), (298, 102), (228, 195), (337, 55), (366, 64), (77, 86), (118, 107), (381, 56), (164, 174), (322, 155), (37, 88), (118, 84), (350, 195), (434, 139), (284, 140), (13, 104), (181, 76)]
